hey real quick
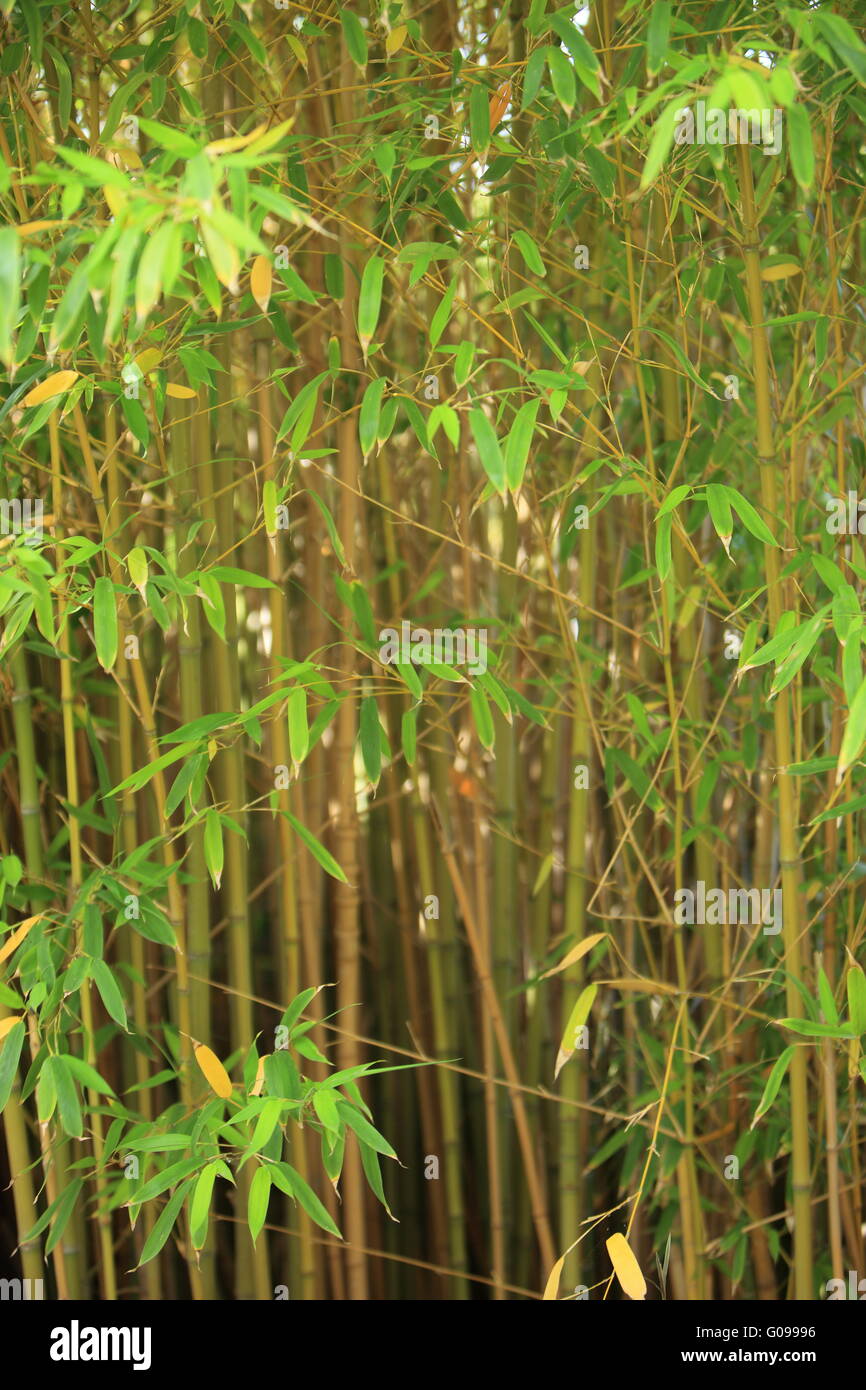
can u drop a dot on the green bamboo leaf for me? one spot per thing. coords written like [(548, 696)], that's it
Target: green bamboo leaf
[(561, 78), (488, 448), (65, 1207), (576, 1020), (442, 314), (370, 301), (325, 1107), (658, 32), (299, 732), (530, 253), (169, 138), (58, 1213), (855, 985), (158, 267), (479, 118), (109, 992), (356, 38), (164, 1224), (720, 514), (828, 1003), (801, 650), (664, 557), (408, 735), (213, 845), (68, 1105), (87, 1075), (683, 360), (136, 563), (774, 1081), (482, 717), (105, 623), (364, 1130), (601, 171), (199, 1211), (373, 1174), (257, 1202), (855, 732), (662, 141), (844, 40), (10, 1053), (673, 499), (808, 1029), (291, 1182), (10, 289), (368, 419), (518, 443), (336, 543), (800, 146), (318, 851), (749, 517)]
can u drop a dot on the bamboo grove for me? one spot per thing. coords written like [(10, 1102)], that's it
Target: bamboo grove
[(431, 689)]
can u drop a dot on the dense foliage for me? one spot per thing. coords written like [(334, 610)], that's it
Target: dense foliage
[(431, 609)]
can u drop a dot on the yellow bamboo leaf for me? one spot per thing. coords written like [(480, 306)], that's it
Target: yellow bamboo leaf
[(396, 39), (261, 279), (256, 1088), (149, 359), (18, 936), (31, 228), (130, 157), (180, 393), (115, 199), (739, 61), (53, 385), (626, 1267), (576, 953), (780, 271), (7, 1024), (213, 1071), (551, 1288), (235, 142), (642, 986)]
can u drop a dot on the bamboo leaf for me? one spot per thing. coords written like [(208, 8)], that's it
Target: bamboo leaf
[(299, 733), (626, 1267), (261, 280), (213, 845), (551, 1288), (105, 623), (855, 985), (213, 1071), (575, 954), (322, 856), (356, 39), (658, 32), (488, 448), (370, 301), (774, 1081), (257, 1201), (55, 385), (10, 1052), (576, 1020), (20, 934)]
